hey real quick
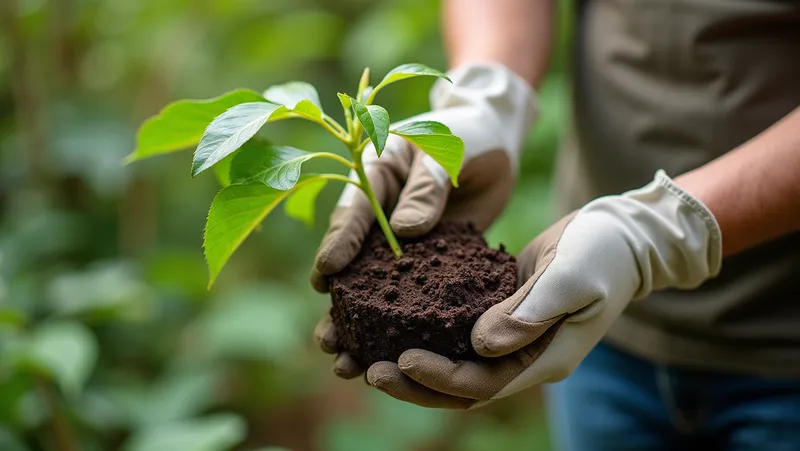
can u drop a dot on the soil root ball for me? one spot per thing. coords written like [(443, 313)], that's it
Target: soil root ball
[(430, 298)]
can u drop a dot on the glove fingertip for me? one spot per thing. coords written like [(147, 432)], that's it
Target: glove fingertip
[(412, 222), (346, 367), (319, 282)]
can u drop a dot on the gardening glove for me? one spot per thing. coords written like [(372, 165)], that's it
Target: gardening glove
[(577, 277), (491, 109)]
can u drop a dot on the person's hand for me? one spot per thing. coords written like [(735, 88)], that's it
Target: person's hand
[(490, 109), (577, 277)]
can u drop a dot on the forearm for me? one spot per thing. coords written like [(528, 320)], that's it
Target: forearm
[(754, 190), (515, 33)]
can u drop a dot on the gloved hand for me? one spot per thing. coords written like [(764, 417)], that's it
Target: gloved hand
[(490, 109), (577, 277)]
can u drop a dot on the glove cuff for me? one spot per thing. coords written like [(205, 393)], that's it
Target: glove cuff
[(690, 250), (508, 104)]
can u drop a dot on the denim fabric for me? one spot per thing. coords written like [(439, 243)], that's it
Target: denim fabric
[(617, 402)]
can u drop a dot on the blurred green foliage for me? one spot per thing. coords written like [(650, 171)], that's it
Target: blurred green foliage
[(108, 336)]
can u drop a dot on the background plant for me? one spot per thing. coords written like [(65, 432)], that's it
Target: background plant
[(257, 175), (105, 260)]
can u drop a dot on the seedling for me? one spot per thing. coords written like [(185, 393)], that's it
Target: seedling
[(257, 175)]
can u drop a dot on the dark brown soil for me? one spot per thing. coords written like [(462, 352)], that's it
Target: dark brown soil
[(430, 298)]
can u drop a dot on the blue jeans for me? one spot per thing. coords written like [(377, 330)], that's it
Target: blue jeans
[(617, 402)]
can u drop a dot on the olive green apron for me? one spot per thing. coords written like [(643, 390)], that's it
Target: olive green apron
[(672, 85)]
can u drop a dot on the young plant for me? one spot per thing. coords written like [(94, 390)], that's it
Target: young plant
[(256, 175)]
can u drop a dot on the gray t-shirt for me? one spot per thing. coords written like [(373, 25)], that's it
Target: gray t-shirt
[(673, 84)]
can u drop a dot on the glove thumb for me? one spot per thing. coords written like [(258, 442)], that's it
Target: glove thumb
[(423, 198)]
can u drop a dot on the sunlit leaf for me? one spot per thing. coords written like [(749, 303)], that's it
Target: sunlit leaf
[(67, 350), (375, 120), (181, 124), (301, 204), (407, 71), (210, 433), (435, 139), (235, 212), (228, 131), (275, 166)]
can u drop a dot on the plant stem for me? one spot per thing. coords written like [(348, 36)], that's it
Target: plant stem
[(336, 157), (377, 208), (339, 178), (63, 436), (337, 132), (332, 122)]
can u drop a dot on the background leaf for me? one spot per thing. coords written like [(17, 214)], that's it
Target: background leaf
[(10, 317), (10, 442), (262, 323), (289, 94), (181, 124), (211, 433), (67, 350), (176, 396), (275, 166), (229, 131), (407, 71), (435, 139), (301, 205), (375, 120)]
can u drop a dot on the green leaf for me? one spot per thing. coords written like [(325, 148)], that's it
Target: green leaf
[(300, 204), (229, 131), (290, 94), (408, 71), (67, 350), (275, 166), (344, 99), (181, 124), (222, 170), (210, 433), (435, 139), (234, 213), (375, 120)]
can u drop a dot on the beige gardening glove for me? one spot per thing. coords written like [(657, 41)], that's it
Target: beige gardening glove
[(577, 277), (490, 109)]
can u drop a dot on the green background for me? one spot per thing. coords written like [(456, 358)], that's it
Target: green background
[(108, 336)]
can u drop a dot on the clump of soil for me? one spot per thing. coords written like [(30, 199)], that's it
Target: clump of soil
[(430, 298)]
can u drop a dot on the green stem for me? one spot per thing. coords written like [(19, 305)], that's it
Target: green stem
[(376, 207), (336, 157), (340, 135), (335, 125), (340, 178), (61, 431)]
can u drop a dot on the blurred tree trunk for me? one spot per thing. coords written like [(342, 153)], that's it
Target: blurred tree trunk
[(27, 89)]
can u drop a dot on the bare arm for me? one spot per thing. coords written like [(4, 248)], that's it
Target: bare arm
[(515, 33), (754, 190)]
